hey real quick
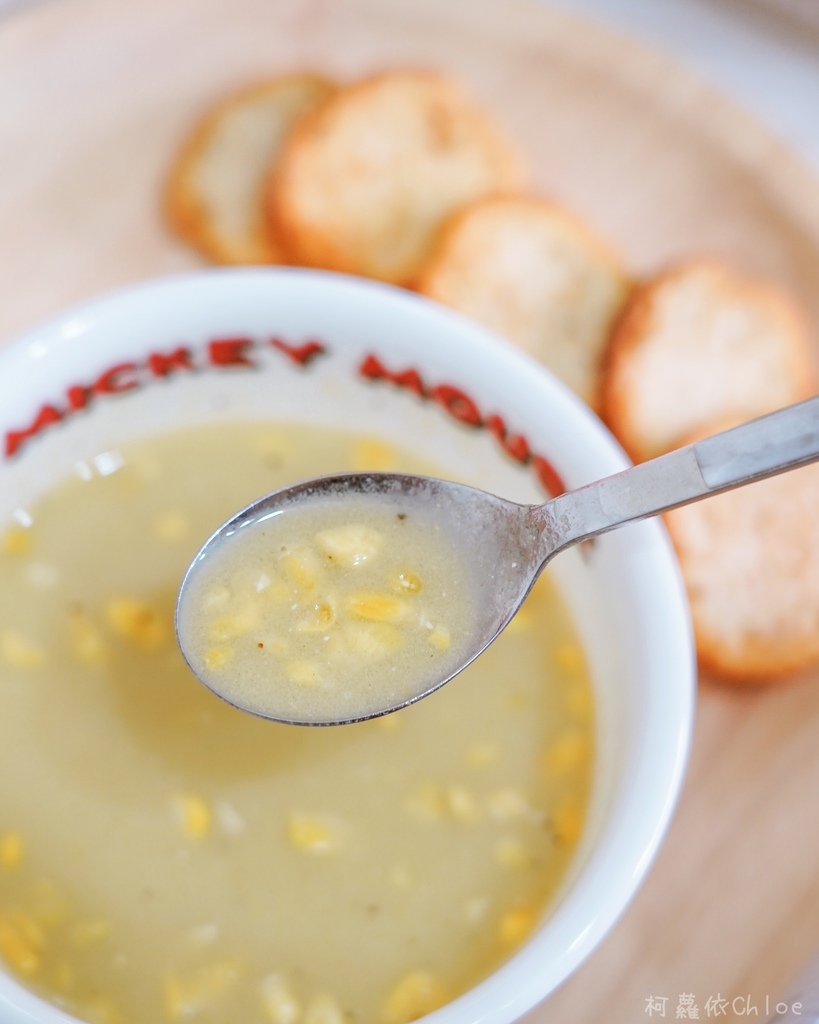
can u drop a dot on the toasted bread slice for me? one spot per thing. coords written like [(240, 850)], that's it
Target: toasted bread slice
[(527, 269), (696, 344), (366, 179), (215, 194), (750, 560)]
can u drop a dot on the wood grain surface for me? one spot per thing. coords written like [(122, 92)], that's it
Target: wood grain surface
[(95, 95)]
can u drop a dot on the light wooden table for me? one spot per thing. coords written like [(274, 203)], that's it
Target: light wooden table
[(93, 99), (762, 53)]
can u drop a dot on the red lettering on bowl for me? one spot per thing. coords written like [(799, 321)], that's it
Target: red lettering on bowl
[(230, 352), (458, 404), (300, 354), (161, 364)]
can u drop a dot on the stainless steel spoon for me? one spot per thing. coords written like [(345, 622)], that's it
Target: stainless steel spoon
[(509, 544)]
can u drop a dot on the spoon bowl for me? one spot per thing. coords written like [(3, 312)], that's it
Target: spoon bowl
[(496, 539), (504, 545)]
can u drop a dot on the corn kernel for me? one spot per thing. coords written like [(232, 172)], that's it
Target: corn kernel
[(372, 454), (482, 754), (566, 754), (320, 618), (278, 1000), (275, 589), (12, 850), (187, 997), (376, 608), (304, 673), (427, 801), (440, 638), (516, 925), (462, 805), (350, 545), (273, 644), (16, 540), (313, 834), (409, 583), (216, 597), (372, 639), (302, 568), (416, 994), (195, 816), (87, 642), (139, 623), (172, 526), (569, 659), (21, 943), (17, 652), (323, 1009), (512, 853), (237, 623), (506, 804), (217, 657), (567, 822)]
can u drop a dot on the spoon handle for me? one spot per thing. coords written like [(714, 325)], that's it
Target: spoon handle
[(773, 444)]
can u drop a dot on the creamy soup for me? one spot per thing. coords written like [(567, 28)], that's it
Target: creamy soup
[(165, 857), (329, 610)]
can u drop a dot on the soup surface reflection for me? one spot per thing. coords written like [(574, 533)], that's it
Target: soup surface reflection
[(165, 857)]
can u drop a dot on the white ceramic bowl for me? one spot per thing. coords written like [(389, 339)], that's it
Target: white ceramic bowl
[(625, 595)]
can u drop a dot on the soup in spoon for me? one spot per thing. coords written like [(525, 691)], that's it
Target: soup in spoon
[(331, 611)]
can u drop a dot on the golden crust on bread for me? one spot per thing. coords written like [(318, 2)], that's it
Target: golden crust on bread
[(697, 343), (215, 194), (750, 561), (529, 270), (367, 177)]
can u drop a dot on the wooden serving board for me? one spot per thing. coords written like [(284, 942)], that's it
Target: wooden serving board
[(94, 97)]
